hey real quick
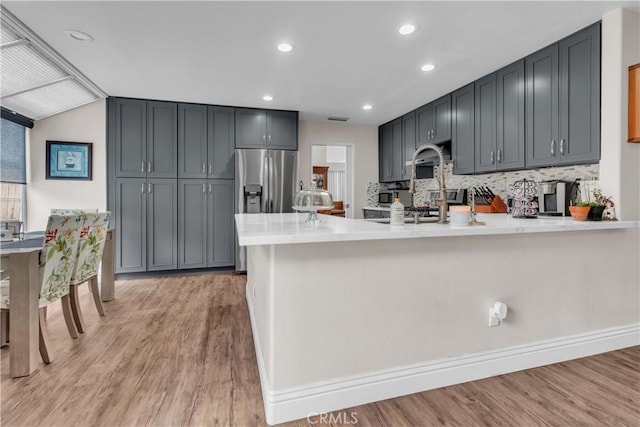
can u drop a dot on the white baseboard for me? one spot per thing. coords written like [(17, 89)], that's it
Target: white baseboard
[(300, 402)]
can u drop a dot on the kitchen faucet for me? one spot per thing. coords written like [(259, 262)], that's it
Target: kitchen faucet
[(442, 201)]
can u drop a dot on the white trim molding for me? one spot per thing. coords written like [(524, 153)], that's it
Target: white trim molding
[(295, 403)]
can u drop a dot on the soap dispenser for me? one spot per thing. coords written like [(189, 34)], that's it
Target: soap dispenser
[(397, 211)]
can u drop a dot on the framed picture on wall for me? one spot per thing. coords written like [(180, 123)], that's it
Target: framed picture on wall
[(69, 160)]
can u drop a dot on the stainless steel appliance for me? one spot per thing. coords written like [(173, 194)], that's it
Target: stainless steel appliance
[(265, 183), (387, 197), (554, 198)]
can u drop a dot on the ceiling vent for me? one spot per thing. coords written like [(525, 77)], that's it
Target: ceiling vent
[(37, 81), (338, 119)]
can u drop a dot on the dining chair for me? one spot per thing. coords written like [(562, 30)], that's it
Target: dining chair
[(57, 258), (92, 239), (72, 211)]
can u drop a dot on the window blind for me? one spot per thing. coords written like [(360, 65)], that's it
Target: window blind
[(12, 153)]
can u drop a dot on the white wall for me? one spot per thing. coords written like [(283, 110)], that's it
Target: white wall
[(363, 139), (620, 163), (83, 124)]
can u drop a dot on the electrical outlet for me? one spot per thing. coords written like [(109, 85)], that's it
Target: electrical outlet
[(493, 320)]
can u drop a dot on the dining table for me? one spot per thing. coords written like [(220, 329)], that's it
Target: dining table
[(20, 259)]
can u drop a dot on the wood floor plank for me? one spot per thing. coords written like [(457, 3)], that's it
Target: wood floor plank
[(178, 351)]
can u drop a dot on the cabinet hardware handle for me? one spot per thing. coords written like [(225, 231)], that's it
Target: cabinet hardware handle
[(209, 188), (142, 167), (209, 168), (553, 147), (269, 139), (562, 146), (433, 134), (149, 167), (204, 190), (499, 155), (264, 138), (142, 188), (492, 157), (203, 168), (150, 187)]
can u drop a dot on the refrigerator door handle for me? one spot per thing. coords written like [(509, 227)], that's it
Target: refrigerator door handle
[(270, 184), (265, 184)]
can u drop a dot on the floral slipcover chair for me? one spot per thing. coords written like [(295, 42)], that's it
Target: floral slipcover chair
[(92, 239), (57, 258)]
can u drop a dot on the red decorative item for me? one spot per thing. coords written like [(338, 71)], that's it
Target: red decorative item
[(51, 235)]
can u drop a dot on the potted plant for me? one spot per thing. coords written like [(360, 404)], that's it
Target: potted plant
[(580, 211), (601, 203)]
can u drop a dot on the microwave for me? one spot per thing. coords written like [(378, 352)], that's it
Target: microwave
[(386, 197)]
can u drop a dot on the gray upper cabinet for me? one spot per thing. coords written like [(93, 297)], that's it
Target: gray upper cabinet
[(485, 124), (542, 107), (162, 139), (221, 140), (130, 138), (433, 122), (206, 229), (511, 111), (192, 141), (146, 138), (408, 142), (273, 129), (162, 224), (580, 97), (462, 129), (563, 101), (385, 153), (206, 138)]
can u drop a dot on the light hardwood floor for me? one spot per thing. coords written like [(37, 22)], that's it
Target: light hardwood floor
[(178, 351)]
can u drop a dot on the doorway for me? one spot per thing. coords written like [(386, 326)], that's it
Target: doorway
[(334, 163)]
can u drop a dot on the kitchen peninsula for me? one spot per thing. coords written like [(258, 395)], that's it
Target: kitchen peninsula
[(347, 311)]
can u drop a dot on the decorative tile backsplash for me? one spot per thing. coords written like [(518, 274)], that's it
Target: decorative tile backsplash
[(499, 182)]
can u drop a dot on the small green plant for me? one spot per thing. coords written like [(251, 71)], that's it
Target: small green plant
[(580, 203)]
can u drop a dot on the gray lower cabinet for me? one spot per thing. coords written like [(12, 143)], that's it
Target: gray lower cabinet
[(205, 229), (206, 141), (462, 129), (273, 129), (563, 101), (146, 219)]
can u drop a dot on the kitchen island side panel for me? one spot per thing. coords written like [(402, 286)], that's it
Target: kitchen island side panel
[(339, 310)]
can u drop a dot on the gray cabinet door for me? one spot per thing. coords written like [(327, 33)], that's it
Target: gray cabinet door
[(192, 141), (130, 138), (162, 224), (462, 129), (510, 134), (408, 142), (397, 151), (580, 97), (385, 153), (130, 221), (541, 71), (485, 124), (441, 127), (192, 223), (424, 124), (162, 139), (251, 128), (220, 224), (221, 142), (282, 130)]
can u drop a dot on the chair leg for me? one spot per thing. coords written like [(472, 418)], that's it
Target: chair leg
[(44, 337), (68, 317), (4, 329), (95, 291), (75, 308)]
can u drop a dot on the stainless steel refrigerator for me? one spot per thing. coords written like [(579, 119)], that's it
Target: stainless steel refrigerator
[(265, 183)]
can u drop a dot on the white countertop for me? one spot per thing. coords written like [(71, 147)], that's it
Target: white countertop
[(276, 229), (377, 208)]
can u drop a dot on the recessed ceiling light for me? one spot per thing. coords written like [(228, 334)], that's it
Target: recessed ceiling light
[(79, 35), (267, 98), (285, 47), (407, 29), (428, 67), (367, 107)]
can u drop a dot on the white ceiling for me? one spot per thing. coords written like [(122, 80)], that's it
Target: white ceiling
[(346, 53)]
